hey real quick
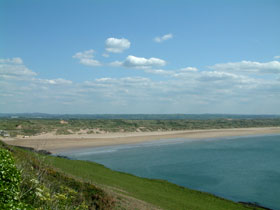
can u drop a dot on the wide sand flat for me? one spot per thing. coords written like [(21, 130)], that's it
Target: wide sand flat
[(57, 143)]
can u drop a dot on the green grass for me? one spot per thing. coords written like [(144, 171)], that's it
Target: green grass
[(157, 192)]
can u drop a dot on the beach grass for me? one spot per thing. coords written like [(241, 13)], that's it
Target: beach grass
[(31, 127)]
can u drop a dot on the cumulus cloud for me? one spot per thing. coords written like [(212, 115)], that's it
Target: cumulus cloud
[(276, 57), (13, 68), (217, 75), (159, 71), (90, 62), (105, 55), (115, 45), (133, 80), (19, 85), (119, 90), (140, 62), (249, 67), (86, 58), (163, 38), (147, 64), (116, 63), (189, 69), (58, 81), (12, 60)]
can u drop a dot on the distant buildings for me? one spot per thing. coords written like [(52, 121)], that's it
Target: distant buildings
[(4, 133)]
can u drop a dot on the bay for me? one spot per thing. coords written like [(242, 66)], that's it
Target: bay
[(241, 168)]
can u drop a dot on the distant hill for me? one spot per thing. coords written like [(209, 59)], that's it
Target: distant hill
[(137, 116)]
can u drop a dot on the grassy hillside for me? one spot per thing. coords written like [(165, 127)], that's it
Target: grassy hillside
[(101, 188), (30, 127), (38, 186), (158, 192)]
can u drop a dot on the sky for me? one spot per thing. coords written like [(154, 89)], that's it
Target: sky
[(140, 57)]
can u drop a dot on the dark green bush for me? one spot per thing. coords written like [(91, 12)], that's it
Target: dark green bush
[(9, 183)]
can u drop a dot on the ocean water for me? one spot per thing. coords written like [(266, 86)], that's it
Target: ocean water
[(240, 169)]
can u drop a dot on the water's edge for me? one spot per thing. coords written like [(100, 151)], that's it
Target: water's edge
[(102, 152)]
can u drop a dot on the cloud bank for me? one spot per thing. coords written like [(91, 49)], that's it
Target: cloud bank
[(272, 67), (223, 88)]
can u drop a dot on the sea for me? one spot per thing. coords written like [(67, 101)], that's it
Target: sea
[(243, 168)]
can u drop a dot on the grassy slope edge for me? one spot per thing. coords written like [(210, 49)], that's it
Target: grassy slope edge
[(158, 193)]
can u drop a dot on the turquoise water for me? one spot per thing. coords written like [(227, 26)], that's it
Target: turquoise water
[(241, 169)]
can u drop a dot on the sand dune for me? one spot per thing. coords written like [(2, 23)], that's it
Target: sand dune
[(56, 143)]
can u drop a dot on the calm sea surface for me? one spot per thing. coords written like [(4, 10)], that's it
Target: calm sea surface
[(241, 168)]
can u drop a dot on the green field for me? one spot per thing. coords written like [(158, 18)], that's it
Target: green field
[(118, 190)]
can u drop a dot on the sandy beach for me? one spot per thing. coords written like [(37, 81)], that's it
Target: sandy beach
[(58, 143)]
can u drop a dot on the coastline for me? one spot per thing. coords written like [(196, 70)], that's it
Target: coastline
[(59, 143)]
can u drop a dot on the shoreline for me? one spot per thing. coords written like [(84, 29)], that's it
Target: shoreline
[(62, 143)]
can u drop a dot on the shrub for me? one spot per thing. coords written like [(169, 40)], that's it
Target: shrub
[(10, 179)]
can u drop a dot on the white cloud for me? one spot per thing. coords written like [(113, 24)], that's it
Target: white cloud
[(19, 85), (115, 45), (13, 68), (58, 81), (105, 55), (104, 79), (88, 54), (189, 69), (277, 57), (12, 60), (116, 63), (90, 62), (216, 76), (163, 38), (140, 62), (159, 71), (248, 67), (86, 58), (122, 80), (119, 90)]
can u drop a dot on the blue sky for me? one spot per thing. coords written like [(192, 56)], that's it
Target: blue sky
[(140, 56)]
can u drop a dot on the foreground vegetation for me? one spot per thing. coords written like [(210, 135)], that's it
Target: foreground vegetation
[(28, 127), (32, 184), (49, 182)]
